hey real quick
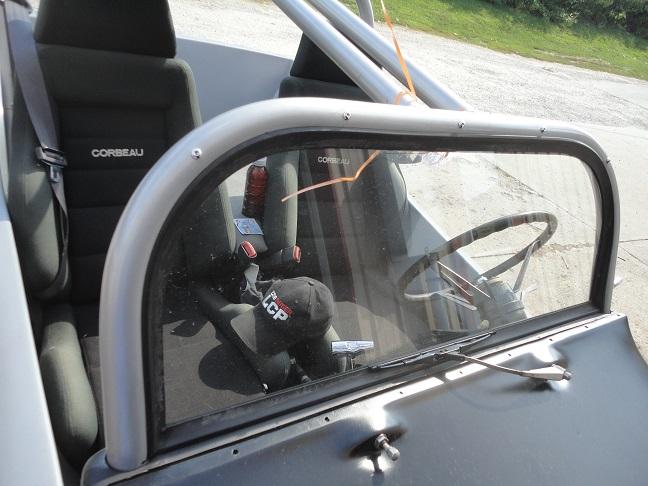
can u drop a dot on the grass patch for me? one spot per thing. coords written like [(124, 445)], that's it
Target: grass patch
[(507, 30)]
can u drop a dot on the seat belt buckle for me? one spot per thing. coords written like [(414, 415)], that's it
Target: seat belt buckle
[(284, 260), (54, 160)]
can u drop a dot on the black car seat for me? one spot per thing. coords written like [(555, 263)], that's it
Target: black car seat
[(121, 99), (317, 220), (313, 74)]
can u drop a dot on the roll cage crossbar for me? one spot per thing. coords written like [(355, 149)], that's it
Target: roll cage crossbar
[(342, 40)]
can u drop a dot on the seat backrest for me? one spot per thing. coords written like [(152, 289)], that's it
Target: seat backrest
[(121, 101), (312, 74), (315, 216)]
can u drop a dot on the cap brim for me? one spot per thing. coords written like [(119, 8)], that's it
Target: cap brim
[(254, 331)]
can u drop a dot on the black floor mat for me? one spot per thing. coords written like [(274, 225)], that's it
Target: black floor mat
[(203, 372)]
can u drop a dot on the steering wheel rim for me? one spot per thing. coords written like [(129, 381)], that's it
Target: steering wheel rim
[(477, 233)]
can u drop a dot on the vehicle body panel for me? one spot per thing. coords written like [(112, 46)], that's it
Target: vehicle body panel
[(228, 77), (481, 427)]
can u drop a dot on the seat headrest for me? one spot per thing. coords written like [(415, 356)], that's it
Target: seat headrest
[(131, 26), (311, 63)]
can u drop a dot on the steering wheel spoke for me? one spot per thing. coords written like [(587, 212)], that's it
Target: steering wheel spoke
[(520, 278), (462, 286)]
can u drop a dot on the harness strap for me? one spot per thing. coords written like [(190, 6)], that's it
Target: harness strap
[(48, 153)]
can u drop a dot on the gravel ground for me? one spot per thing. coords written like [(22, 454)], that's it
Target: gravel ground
[(612, 107), (488, 80)]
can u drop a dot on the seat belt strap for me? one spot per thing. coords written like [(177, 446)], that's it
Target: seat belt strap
[(32, 84)]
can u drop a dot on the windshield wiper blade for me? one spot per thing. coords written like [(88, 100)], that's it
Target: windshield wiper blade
[(455, 352), (434, 353)]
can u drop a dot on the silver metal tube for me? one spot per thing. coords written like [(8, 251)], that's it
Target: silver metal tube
[(432, 92), (365, 11), (369, 77)]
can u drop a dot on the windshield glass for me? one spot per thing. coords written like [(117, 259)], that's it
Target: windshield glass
[(313, 263)]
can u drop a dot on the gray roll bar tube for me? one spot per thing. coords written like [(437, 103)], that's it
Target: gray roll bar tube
[(432, 92), (365, 11), (369, 77)]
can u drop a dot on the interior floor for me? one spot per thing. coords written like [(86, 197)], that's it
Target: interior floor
[(205, 372)]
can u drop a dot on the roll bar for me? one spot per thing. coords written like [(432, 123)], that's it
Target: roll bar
[(355, 64), (365, 11), (131, 248), (346, 37), (431, 91)]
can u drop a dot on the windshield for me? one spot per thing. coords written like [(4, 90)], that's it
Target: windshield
[(314, 263)]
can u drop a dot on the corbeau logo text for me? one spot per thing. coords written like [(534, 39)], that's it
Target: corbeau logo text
[(119, 152), (276, 307), (322, 159)]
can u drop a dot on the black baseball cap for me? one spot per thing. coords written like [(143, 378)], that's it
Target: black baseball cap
[(291, 310)]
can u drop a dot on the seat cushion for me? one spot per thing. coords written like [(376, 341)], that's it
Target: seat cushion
[(272, 371), (86, 317), (67, 388)]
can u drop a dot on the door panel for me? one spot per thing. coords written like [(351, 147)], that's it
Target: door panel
[(484, 428)]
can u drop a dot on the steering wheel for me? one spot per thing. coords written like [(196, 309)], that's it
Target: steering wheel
[(477, 233)]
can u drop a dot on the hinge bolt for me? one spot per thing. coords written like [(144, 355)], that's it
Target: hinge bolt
[(382, 442)]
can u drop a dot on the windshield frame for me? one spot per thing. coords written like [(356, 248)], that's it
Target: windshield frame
[(356, 383), (129, 435)]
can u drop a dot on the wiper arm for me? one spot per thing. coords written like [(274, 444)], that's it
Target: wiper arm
[(455, 352), (435, 353), (554, 372)]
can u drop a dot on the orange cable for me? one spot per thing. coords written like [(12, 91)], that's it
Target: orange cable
[(399, 54), (399, 96)]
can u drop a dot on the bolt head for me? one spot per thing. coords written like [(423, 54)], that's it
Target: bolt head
[(461, 124), (380, 440), (543, 129), (196, 153), (393, 453), (346, 115)]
